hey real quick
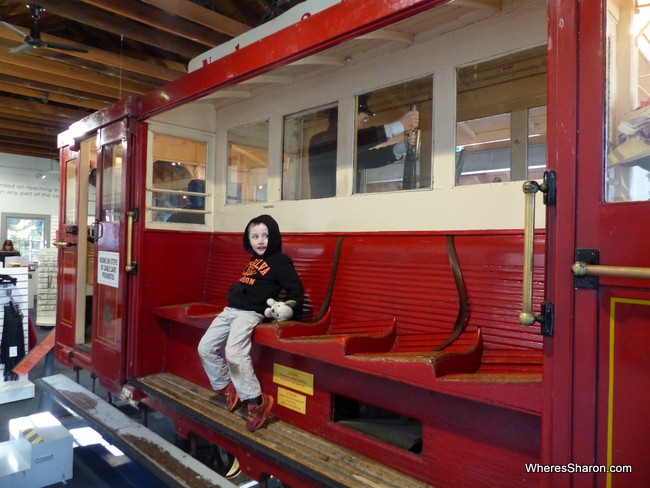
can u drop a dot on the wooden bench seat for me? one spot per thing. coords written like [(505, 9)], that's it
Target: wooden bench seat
[(492, 349), (493, 273), (394, 296)]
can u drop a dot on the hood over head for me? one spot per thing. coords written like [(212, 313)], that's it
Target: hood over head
[(275, 239)]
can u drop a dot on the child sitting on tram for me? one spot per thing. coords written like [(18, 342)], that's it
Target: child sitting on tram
[(230, 368)]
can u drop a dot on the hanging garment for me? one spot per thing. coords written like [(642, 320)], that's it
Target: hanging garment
[(12, 346), (8, 279)]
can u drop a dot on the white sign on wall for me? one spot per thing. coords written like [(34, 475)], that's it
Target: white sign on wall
[(108, 268)]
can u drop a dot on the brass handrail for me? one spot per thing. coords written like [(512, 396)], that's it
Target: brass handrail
[(527, 317), (580, 268), (130, 265)]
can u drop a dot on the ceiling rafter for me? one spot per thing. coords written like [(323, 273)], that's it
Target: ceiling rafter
[(131, 48)]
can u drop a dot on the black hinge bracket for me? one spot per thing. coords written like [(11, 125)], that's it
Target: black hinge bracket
[(547, 319), (549, 187), (587, 256)]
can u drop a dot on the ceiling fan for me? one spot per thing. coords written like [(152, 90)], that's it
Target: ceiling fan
[(33, 39)]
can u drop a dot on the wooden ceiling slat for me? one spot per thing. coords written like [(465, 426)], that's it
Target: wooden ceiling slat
[(200, 15), (93, 17), (80, 97), (160, 20), (50, 97), (72, 72), (153, 67), (27, 128), (40, 110), (132, 46)]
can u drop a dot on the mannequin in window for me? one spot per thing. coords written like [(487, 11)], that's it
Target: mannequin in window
[(196, 202), (377, 146)]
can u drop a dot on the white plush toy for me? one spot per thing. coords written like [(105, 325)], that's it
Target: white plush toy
[(279, 310)]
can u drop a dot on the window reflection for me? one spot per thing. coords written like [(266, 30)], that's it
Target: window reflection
[(178, 188), (248, 163), (628, 129), (111, 181), (309, 154), (501, 119), (70, 217)]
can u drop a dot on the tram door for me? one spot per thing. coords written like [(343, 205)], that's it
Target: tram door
[(609, 364), (109, 233), (77, 212)]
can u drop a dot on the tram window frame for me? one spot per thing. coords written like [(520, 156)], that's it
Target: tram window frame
[(298, 132), (194, 200), (247, 178), (385, 106), (501, 145)]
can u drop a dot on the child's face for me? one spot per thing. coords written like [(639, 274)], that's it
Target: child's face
[(258, 236)]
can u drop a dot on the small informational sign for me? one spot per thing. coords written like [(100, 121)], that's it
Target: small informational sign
[(293, 378), (292, 400), (108, 268)]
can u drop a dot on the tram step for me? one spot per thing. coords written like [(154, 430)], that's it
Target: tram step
[(173, 466), (282, 443)]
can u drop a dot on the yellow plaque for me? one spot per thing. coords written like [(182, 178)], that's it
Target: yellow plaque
[(293, 378), (292, 400)]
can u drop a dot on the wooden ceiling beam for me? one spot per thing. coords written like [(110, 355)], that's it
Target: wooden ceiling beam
[(201, 15), (47, 96), (27, 128), (162, 21), (154, 67), (20, 136), (80, 97), (34, 118), (33, 109), (94, 82), (133, 30), (29, 150)]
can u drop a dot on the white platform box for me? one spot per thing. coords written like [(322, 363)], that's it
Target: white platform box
[(38, 453)]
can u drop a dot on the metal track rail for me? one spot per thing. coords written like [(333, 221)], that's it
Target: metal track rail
[(170, 464)]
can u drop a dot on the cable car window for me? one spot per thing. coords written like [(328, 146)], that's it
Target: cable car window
[(248, 164), (501, 119), (393, 137), (178, 179), (111, 182), (309, 154), (70, 214), (628, 124)]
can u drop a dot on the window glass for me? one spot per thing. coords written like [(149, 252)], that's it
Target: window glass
[(628, 124), (248, 164), (393, 138), (178, 179), (70, 217), (29, 233), (111, 182), (309, 154), (501, 119)]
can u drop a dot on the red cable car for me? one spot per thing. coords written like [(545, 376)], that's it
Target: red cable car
[(458, 331)]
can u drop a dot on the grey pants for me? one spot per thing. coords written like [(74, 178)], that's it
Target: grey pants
[(234, 328)]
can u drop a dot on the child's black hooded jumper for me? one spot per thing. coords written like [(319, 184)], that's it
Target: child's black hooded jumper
[(265, 276)]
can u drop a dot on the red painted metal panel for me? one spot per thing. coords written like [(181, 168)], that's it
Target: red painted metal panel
[(562, 126), (625, 385)]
